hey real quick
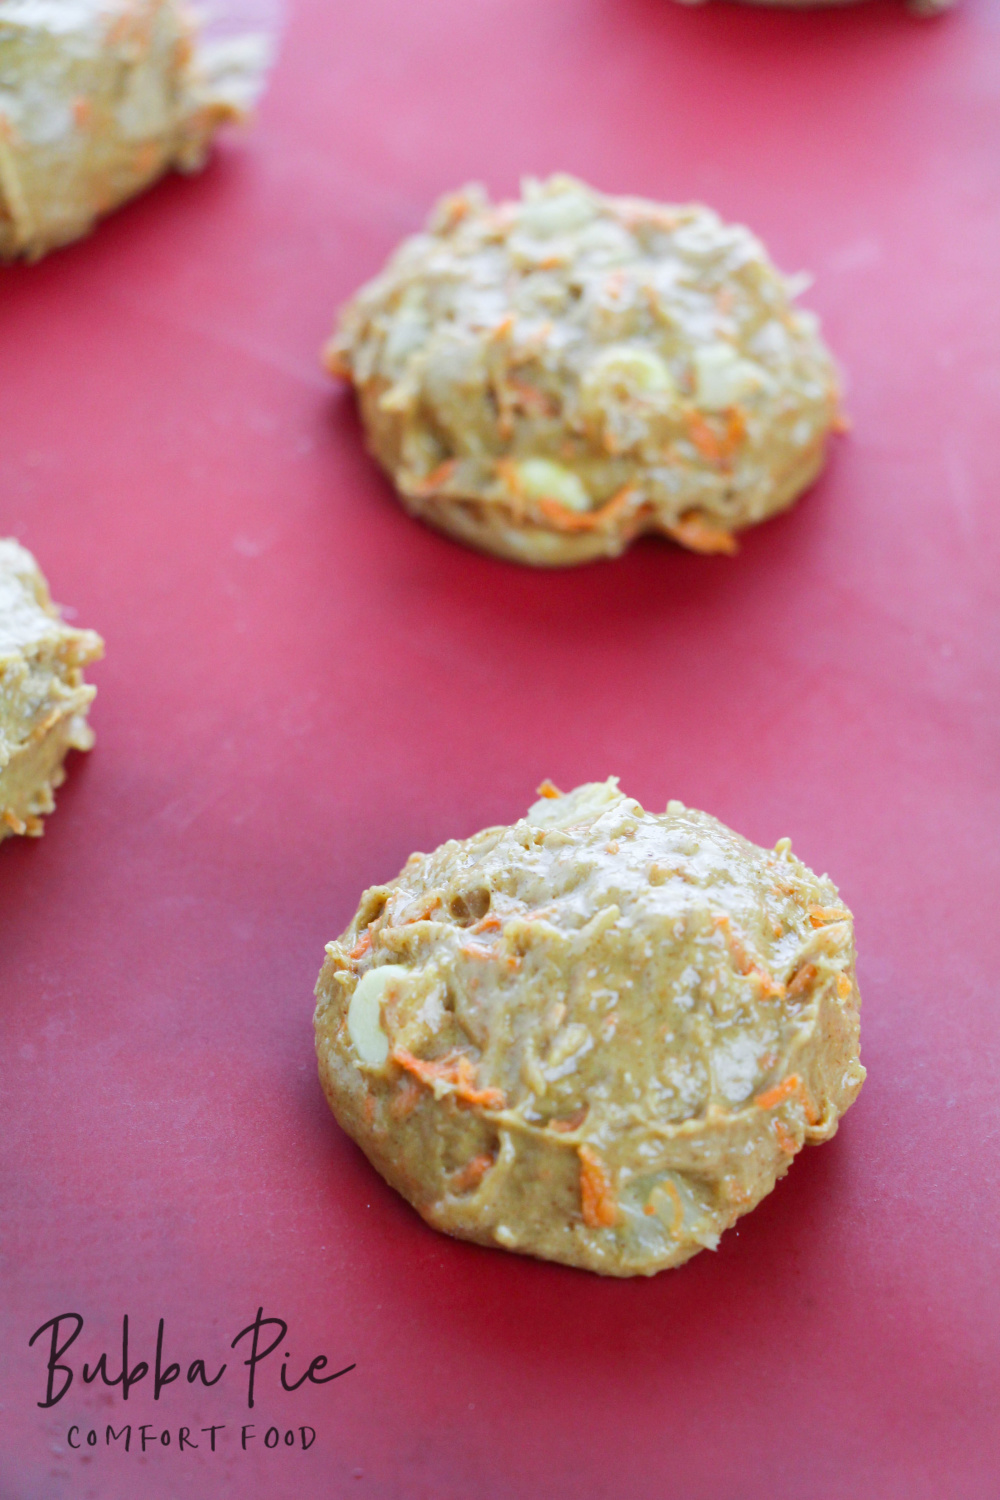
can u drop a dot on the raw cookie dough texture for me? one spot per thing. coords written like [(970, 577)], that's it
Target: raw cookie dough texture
[(548, 378), (98, 98), (599, 1036), (43, 697)]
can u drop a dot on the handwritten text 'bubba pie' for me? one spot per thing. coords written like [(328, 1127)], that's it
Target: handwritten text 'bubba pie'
[(253, 1340)]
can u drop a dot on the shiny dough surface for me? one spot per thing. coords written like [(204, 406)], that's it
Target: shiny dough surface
[(546, 379), (597, 1036)]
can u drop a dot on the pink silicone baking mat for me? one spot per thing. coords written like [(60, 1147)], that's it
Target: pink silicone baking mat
[(302, 686)]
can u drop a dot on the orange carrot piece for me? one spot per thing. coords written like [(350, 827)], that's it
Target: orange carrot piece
[(802, 979), (530, 397), (780, 1092), (564, 519), (436, 478), (698, 534), (597, 1195), (457, 1071), (547, 789), (788, 1088), (704, 437), (472, 1174), (820, 915), (362, 945), (336, 361), (745, 961), (406, 1100)]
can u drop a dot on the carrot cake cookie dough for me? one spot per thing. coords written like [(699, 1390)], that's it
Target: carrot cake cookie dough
[(598, 1036), (546, 379), (97, 99), (43, 698)]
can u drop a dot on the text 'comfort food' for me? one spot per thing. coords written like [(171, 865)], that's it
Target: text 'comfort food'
[(97, 99), (598, 1036), (548, 378), (43, 697)]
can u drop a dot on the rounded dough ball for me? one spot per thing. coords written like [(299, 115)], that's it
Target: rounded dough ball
[(549, 378), (598, 1036), (44, 700), (98, 98)]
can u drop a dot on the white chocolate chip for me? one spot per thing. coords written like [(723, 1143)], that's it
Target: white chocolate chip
[(722, 378), (364, 1014), (544, 479), (622, 367)]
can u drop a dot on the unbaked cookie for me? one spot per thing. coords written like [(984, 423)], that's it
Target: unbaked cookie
[(43, 698), (598, 1036), (97, 99), (546, 379)]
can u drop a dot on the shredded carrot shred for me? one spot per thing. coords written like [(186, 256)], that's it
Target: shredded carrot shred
[(802, 979), (698, 534), (507, 470), (703, 437), (746, 963), (336, 362), (564, 519), (596, 1192), (547, 789), (490, 923), (843, 986), (530, 397), (472, 1174), (779, 1093), (457, 1071), (736, 429), (480, 950), (423, 913), (406, 1099), (786, 1142), (788, 1088), (362, 945), (820, 915), (436, 478), (456, 209)]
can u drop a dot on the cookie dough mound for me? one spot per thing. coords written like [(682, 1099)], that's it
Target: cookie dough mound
[(546, 379), (598, 1036), (98, 98), (43, 697)]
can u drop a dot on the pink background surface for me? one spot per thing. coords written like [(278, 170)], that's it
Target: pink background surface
[(302, 685)]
